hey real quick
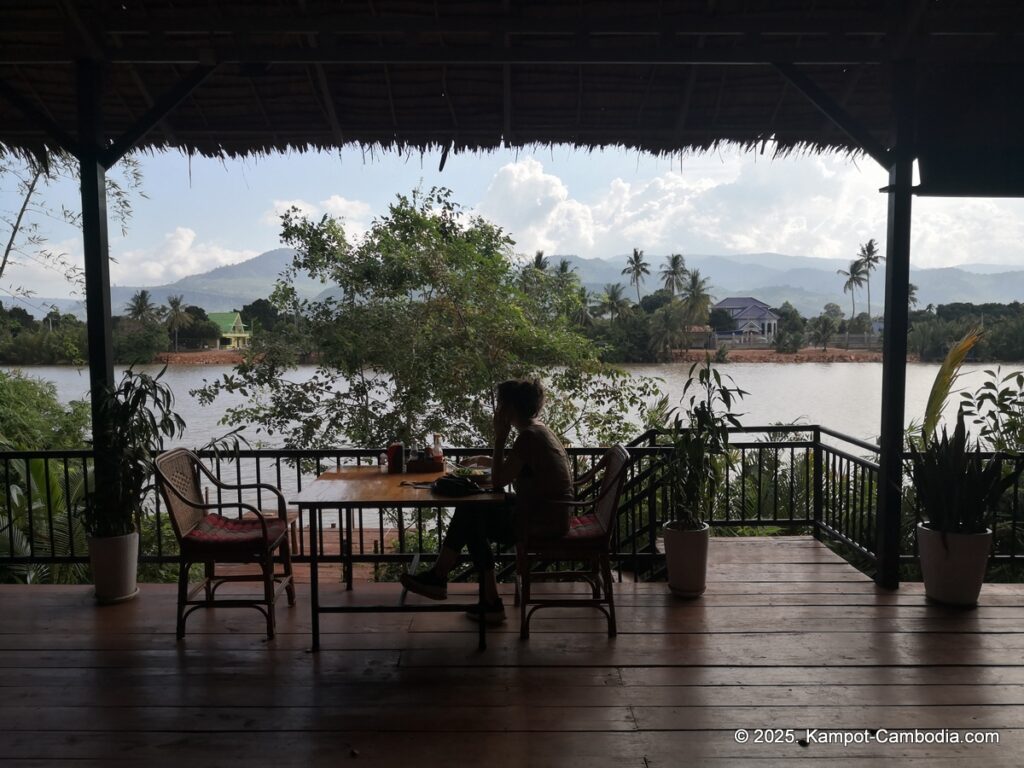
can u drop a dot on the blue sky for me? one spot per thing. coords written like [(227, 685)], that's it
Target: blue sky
[(201, 213)]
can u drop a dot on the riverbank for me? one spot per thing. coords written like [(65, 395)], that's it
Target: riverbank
[(805, 355), (201, 357)]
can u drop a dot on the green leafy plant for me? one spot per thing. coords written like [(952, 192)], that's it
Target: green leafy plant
[(957, 485), (996, 408), (139, 414), (700, 442)]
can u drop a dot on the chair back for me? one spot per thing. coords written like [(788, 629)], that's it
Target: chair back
[(606, 505), (177, 477)]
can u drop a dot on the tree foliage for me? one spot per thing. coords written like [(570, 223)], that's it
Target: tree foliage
[(431, 313), (23, 236), (33, 418)]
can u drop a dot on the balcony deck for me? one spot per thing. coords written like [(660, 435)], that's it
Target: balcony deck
[(787, 636)]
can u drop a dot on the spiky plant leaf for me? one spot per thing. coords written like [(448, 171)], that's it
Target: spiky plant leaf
[(946, 377)]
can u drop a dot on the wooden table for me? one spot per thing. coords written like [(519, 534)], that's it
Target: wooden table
[(349, 488)]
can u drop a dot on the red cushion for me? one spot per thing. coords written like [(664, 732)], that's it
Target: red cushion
[(585, 527), (232, 534)]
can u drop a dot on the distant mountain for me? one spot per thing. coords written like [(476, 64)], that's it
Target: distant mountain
[(220, 290), (806, 282)]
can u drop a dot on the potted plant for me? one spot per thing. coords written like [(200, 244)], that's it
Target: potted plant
[(700, 456), (957, 488), (138, 415)]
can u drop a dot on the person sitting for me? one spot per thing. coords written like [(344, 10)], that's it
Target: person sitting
[(537, 467)]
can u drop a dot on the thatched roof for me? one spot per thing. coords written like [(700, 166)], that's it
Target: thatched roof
[(661, 76)]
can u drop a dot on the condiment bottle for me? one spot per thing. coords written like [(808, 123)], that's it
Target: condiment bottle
[(396, 458)]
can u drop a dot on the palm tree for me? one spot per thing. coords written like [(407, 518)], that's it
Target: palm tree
[(142, 308), (583, 316), (668, 330), (696, 297), (613, 303), (855, 278), (636, 268), (540, 261), (823, 328), (673, 273), (176, 317), (869, 258), (912, 295), (565, 267)]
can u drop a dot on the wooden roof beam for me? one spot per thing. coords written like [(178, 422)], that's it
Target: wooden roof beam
[(763, 51), (320, 84), (41, 120), (160, 109), (193, 22), (837, 114)]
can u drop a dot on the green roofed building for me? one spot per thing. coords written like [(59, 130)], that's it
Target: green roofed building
[(233, 333)]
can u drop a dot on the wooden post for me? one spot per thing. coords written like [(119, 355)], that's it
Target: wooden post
[(894, 342), (91, 143)]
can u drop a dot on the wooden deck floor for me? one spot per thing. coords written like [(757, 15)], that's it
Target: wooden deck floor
[(788, 636)]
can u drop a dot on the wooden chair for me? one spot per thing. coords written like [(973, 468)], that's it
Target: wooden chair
[(587, 541), (209, 537)]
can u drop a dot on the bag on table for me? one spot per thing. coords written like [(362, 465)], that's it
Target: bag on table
[(452, 485)]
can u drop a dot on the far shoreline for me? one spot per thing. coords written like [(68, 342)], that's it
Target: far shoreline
[(220, 357), (805, 355), (201, 357)]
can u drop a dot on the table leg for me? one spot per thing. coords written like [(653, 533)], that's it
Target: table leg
[(314, 580), (347, 549), (482, 644)]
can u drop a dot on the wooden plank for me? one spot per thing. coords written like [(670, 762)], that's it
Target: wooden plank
[(786, 636), (540, 750), (246, 694)]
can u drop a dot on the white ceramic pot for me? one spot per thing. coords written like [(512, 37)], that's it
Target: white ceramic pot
[(115, 565), (955, 570), (686, 555)]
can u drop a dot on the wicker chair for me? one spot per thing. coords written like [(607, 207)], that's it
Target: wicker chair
[(587, 542), (209, 537)]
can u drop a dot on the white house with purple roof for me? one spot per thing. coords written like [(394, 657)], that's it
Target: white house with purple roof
[(755, 320)]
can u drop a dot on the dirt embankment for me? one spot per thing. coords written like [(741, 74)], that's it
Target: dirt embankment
[(805, 355), (201, 357)]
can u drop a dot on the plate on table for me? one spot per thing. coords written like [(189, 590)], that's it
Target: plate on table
[(479, 474)]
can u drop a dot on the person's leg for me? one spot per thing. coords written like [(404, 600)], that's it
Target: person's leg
[(465, 529)]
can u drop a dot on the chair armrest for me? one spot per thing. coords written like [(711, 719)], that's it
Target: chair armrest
[(281, 502), (591, 473)]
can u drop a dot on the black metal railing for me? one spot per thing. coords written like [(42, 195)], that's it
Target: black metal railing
[(781, 479)]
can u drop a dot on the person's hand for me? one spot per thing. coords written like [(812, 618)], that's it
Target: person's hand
[(502, 425)]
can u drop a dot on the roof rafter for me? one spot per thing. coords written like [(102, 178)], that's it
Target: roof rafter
[(761, 51), (837, 114)]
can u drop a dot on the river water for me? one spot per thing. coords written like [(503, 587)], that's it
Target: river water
[(843, 396)]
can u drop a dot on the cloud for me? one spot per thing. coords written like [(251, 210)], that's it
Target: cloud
[(355, 214), (822, 206), (278, 208), (178, 255)]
